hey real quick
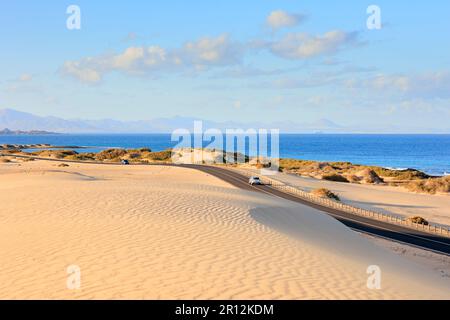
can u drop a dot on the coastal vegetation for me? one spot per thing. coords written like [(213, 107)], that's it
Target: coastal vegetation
[(430, 186), (325, 193), (342, 172), (142, 155), (346, 172), (351, 172), (418, 220), (57, 154), (335, 177)]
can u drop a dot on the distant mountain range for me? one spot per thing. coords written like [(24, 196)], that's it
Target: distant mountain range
[(16, 120), (7, 131), (21, 121)]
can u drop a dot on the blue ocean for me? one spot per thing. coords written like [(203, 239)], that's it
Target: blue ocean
[(428, 153)]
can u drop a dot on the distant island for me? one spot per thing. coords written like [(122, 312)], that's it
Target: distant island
[(9, 132)]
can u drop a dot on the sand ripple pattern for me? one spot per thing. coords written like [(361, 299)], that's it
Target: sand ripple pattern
[(172, 233)]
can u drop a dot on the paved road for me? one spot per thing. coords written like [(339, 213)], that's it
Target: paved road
[(360, 224)]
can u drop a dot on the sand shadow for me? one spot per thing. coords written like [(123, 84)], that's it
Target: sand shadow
[(78, 174), (310, 226)]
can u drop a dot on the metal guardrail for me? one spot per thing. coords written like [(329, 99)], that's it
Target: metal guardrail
[(430, 228)]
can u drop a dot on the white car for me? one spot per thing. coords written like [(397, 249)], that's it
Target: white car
[(255, 180)]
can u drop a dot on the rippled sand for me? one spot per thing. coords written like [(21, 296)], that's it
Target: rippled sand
[(173, 233)]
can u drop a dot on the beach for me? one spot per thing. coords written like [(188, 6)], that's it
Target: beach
[(161, 232)]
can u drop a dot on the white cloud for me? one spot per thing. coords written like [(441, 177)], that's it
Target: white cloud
[(303, 45), (281, 19), (198, 55), (399, 83), (425, 85), (204, 54), (128, 58), (81, 71), (211, 51)]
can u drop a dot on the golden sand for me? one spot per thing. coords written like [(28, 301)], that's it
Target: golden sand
[(173, 233)]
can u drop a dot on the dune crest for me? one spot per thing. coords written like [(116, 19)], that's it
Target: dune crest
[(173, 233)]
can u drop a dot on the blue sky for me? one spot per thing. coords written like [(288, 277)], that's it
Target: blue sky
[(265, 60)]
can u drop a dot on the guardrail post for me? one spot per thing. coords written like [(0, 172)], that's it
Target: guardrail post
[(351, 209)]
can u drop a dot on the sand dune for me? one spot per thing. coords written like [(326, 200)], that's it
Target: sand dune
[(173, 233), (387, 199)]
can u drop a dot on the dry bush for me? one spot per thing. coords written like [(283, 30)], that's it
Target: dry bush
[(430, 186), (353, 178), (293, 164), (335, 177), (165, 155), (8, 146), (9, 151), (5, 160), (111, 154), (408, 174), (418, 220), (343, 165), (369, 176), (63, 165), (325, 193), (58, 154), (140, 150), (18, 152), (259, 166), (134, 155), (82, 157), (138, 154)]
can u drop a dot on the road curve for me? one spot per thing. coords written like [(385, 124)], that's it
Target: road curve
[(361, 224)]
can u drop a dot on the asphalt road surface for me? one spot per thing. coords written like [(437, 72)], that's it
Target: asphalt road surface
[(361, 224)]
